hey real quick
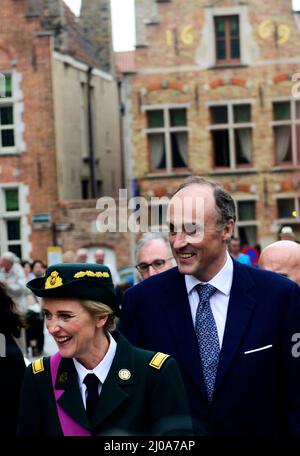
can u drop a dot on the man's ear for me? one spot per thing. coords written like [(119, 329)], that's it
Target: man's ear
[(228, 230)]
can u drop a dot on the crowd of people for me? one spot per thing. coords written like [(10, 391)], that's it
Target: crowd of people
[(204, 345)]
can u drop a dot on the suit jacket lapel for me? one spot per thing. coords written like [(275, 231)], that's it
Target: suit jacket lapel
[(115, 390), (180, 320), (71, 400), (240, 309)]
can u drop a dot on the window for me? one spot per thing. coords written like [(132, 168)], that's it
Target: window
[(167, 138), (10, 221), (227, 39), (7, 121), (231, 133), (246, 222), (286, 125), (288, 208)]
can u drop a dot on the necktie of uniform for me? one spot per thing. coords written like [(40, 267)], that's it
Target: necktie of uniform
[(92, 383), (207, 335)]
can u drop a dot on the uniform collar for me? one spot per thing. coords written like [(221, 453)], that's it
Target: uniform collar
[(102, 369)]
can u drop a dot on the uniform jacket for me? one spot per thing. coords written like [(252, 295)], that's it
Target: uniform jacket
[(151, 402), (257, 391)]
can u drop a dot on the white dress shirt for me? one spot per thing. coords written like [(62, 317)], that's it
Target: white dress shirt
[(101, 371), (219, 300)]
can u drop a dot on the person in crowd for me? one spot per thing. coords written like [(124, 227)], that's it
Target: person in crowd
[(27, 268), (287, 234), (235, 251), (69, 256), (153, 255), (34, 318), (82, 255), (230, 327), (99, 257), (38, 268), (282, 257), (12, 277), (12, 365), (97, 383)]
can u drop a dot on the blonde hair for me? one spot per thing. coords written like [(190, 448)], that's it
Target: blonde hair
[(98, 309)]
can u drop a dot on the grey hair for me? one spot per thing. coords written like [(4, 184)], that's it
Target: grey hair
[(10, 256), (98, 309), (224, 202), (148, 237)]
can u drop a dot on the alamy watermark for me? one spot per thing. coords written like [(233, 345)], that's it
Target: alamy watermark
[(183, 215)]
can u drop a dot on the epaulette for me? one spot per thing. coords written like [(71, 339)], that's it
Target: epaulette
[(38, 366), (158, 360)]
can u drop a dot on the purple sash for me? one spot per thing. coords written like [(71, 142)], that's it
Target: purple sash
[(69, 426)]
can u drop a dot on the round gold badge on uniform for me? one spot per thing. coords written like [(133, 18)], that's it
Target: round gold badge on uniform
[(124, 374)]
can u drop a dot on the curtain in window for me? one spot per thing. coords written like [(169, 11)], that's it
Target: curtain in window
[(244, 136), (157, 151), (182, 146), (282, 143)]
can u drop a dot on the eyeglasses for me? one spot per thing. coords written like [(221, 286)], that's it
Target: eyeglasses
[(157, 265)]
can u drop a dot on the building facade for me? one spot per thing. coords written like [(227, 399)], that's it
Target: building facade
[(212, 93), (59, 139)]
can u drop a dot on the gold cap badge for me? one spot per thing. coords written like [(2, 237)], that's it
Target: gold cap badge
[(124, 374), (53, 280)]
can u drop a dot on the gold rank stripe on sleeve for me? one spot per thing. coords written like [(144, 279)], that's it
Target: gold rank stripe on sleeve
[(38, 366), (158, 360)]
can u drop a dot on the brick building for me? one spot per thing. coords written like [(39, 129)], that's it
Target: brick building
[(59, 122), (210, 93)]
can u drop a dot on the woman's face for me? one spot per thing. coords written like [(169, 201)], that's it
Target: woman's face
[(74, 329)]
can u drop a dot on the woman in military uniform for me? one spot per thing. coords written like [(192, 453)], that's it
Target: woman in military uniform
[(97, 383)]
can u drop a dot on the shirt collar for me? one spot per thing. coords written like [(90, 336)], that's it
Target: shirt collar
[(103, 367), (222, 281)]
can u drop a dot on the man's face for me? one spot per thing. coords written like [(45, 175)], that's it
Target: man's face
[(156, 256), (99, 257), (283, 260), (6, 264), (235, 247), (200, 252)]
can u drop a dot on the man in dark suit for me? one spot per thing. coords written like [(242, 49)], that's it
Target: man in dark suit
[(233, 329)]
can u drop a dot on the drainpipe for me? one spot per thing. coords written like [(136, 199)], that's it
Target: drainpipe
[(121, 113), (92, 161)]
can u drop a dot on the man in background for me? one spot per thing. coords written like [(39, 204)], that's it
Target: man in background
[(235, 251), (81, 255), (282, 257), (153, 255), (99, 257)]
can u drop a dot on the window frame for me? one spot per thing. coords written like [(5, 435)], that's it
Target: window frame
[(6, 216), (292, 122), (166, 130), (8, 102), (228, 59), (296, 199), (245, 223), (231, 126)]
